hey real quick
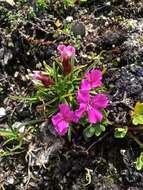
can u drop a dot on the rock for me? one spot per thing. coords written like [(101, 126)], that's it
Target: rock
[(78, 28), (19, 126), (69, 19), (5, 56), (103, 9), (2, 112), (130, 79), (10, 179), (110, 39)]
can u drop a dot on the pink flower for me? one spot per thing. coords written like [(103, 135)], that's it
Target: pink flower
[(66, 52), (91, 105), (93, 80), (38, 75), (62, 119)]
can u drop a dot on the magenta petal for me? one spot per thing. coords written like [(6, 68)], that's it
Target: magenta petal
[(80, 111), (83, 96), (66, 51), (73, 117), (62, 128), (66, 113), (70, 51), (94, 77), (87, 75), (61, 48), (85, 85), (95, 84), (64, 108), (94, 115), (37, 75), (60, 125), (96, 74), (100, 101), (56, 119)]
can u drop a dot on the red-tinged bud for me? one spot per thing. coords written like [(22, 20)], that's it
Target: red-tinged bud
[(46, 81), (67, 53)]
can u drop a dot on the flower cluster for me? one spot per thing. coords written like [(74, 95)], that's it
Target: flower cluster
[(92, 105), (66, 55), (87, 103)]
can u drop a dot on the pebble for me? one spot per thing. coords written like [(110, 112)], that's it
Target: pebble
[(10, 180), (78, 28), (69, 19), (17, 125), (2, 112)]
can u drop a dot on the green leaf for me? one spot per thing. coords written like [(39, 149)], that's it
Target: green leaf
[(89, 131), (137, 114), (8, 134), (99, 129), (120, 132), (69, 2), (139, 162), (69, 133)]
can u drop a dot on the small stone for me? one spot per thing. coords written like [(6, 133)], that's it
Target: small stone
[(10, 180), (21, 129), (2, 112), (16, 74), (78, 28), (19, 126), (69, 19)]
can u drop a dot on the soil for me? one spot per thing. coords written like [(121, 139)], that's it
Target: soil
[(112, 29)]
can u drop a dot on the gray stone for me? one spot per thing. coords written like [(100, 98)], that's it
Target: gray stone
[(2, 112)]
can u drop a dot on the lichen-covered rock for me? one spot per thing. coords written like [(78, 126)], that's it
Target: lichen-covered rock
[(129, 81)]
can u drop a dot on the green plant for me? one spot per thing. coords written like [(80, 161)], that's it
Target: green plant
[(120, 132), (137, 121), (41, 4), (137, 114), (14, 137), (11, 137), (69, 2), (72, 2), (139, 162), (62, 87)]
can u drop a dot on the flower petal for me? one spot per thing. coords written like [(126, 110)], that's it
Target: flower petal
[(64, 108), (60, 125), (62, 128), (83, 96), (85, 85), (56, 119), (61, 48), (94, 115), (66, 51), (94, 77), (36, 75), (67, 114), (80, 111), (100, 101), (70, 51)]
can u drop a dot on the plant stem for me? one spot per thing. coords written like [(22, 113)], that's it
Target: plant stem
[(134, 129), (136, 140), (99, 140), (32, 122)]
